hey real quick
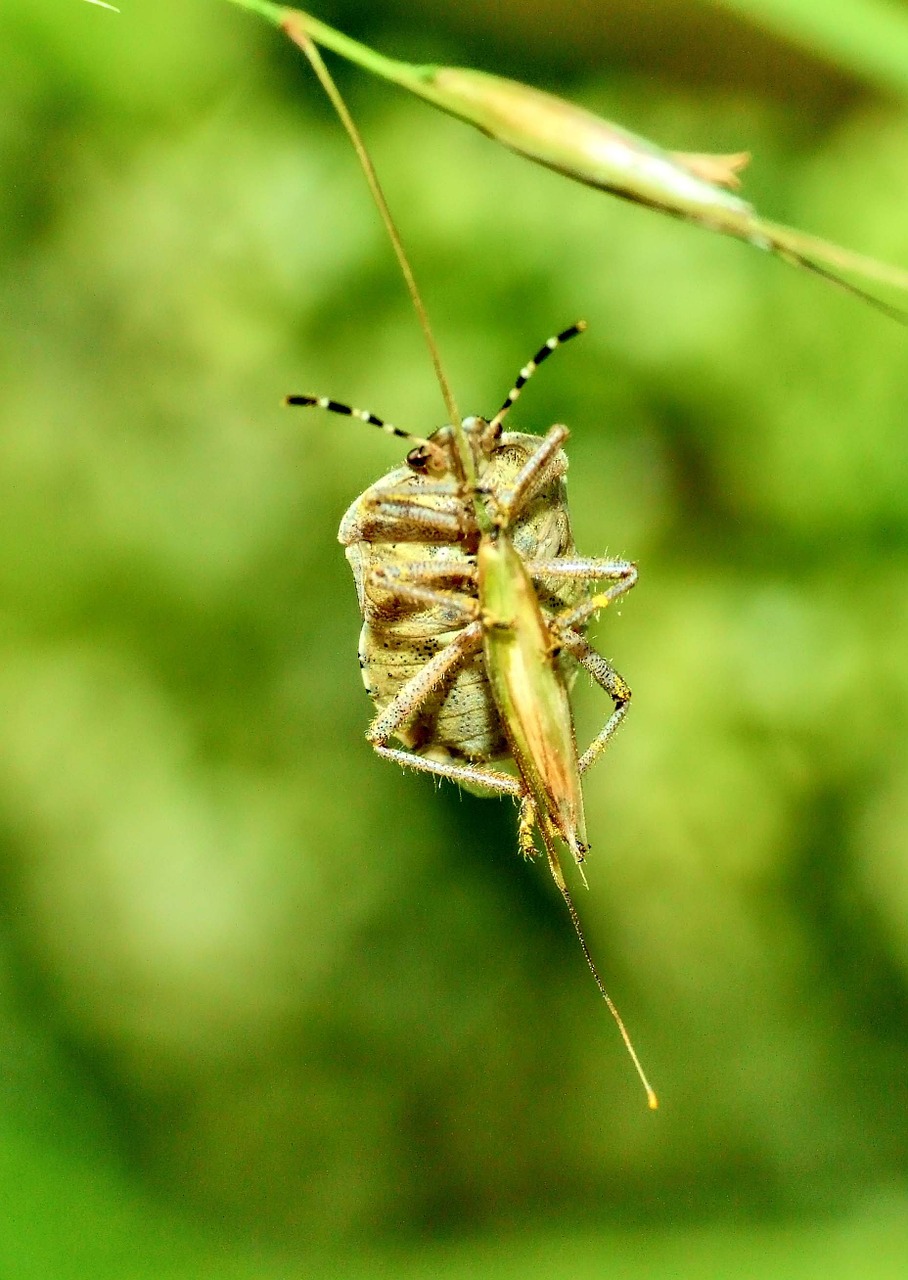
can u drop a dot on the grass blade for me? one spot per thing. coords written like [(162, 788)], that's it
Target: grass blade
[(583, 146)]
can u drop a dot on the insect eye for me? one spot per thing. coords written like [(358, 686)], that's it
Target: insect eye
[(418, 458)]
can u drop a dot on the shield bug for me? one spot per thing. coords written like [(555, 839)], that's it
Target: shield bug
[(475, 605)]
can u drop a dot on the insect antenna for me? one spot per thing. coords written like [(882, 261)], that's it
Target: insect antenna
[(334, 406), (530, 368), (558, 875)]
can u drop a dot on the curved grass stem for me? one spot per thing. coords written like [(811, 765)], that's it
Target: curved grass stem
[(581, 145)]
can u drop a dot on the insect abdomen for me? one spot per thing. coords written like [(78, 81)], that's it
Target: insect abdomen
[(461, 719)]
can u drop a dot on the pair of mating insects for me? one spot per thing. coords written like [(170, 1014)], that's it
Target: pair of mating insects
[(475, 604)]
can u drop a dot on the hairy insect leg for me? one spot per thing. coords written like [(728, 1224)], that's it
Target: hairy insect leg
[(411, 697), (440, 486), (405, 584), (608, 679), (423, 571), (533, 475), (402, 521), (585, 569), (488, 779), (625, 575)]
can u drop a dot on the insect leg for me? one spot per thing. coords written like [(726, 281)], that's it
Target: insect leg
[(440, 487), (624, 574), (535, 473), (410, 698), (420, 571), (489, 779), (608, 679), (409, 521), (584, 568), (407, 583)]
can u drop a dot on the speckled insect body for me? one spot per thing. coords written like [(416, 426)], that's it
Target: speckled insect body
[(459, 722), (475, 604)]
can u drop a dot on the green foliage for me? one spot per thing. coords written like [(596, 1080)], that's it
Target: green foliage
[(244, 963), (868, 38)]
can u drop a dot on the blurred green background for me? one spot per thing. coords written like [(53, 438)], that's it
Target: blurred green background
[(270, 1006)]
